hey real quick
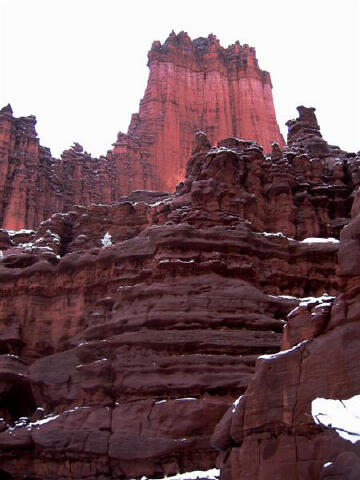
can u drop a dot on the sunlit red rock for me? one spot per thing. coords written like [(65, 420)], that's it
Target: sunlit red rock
[(193, 85)]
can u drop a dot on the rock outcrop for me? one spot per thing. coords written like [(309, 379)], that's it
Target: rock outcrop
[(34, 185), (193, 85), (299, 417), (196, 85), (128, 330)]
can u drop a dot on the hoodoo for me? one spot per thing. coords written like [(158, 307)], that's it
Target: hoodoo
[(193, 85), (196, 85)]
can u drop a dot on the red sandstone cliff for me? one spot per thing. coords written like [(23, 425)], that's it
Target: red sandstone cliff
[(193, 85), (299, 417), (128, 330), (196, 85)]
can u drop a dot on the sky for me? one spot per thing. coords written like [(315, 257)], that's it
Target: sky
[(80, 65)]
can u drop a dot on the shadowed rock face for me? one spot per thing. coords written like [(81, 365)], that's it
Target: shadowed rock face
[(274, 430), (131, 328), (193, 85)]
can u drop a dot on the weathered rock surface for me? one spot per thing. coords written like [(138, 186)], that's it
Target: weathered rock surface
[(193, 85), (276, 430), (128, 330)]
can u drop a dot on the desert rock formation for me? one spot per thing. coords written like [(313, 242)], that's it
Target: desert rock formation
[(193, 85), (127, 331)]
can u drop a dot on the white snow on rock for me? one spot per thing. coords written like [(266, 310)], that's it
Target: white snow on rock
[(185, 399), (212, 474), (343, 416), (287, 297), (9, 355), (306, 240), (26, 246), (282, 352), (214, 151), (38, 423), (314, 302), (176, 260), (106, 240), (272, 234), (324, 297), (155, 203), (23, 422), (236, 403), (18, 232), (53, 236), (320, 240), (324, 300)]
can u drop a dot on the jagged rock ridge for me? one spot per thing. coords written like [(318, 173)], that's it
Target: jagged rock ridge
[(193, 85)]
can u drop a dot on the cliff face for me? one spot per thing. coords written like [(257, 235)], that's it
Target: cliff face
[(299, 416), (33, 185), (128, 330), (193, 85), (196, 86)]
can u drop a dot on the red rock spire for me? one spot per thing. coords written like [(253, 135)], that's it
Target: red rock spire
[(196, 85)]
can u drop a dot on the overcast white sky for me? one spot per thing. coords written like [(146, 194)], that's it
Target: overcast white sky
[(80, 65)]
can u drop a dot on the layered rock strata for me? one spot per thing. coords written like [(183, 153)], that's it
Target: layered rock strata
[(193, 85), (128, 330), (299, 417), (196, 85)]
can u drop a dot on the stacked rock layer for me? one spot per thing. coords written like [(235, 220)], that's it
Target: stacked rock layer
[(127, 331), (299, 417)]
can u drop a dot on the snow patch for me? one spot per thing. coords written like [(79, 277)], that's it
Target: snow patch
[(212, 474), (10, 355), (343, 416), (176, 260), (106, 240), (325, 299), (185, 399), (42, 422), (26, 246), (18, 232), (214, 151), (236, 403), (285, 297), (282, 352), (270, 234), (320, 240), (157, 203)]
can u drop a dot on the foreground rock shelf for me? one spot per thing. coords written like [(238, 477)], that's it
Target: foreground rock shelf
[(288, 422)]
